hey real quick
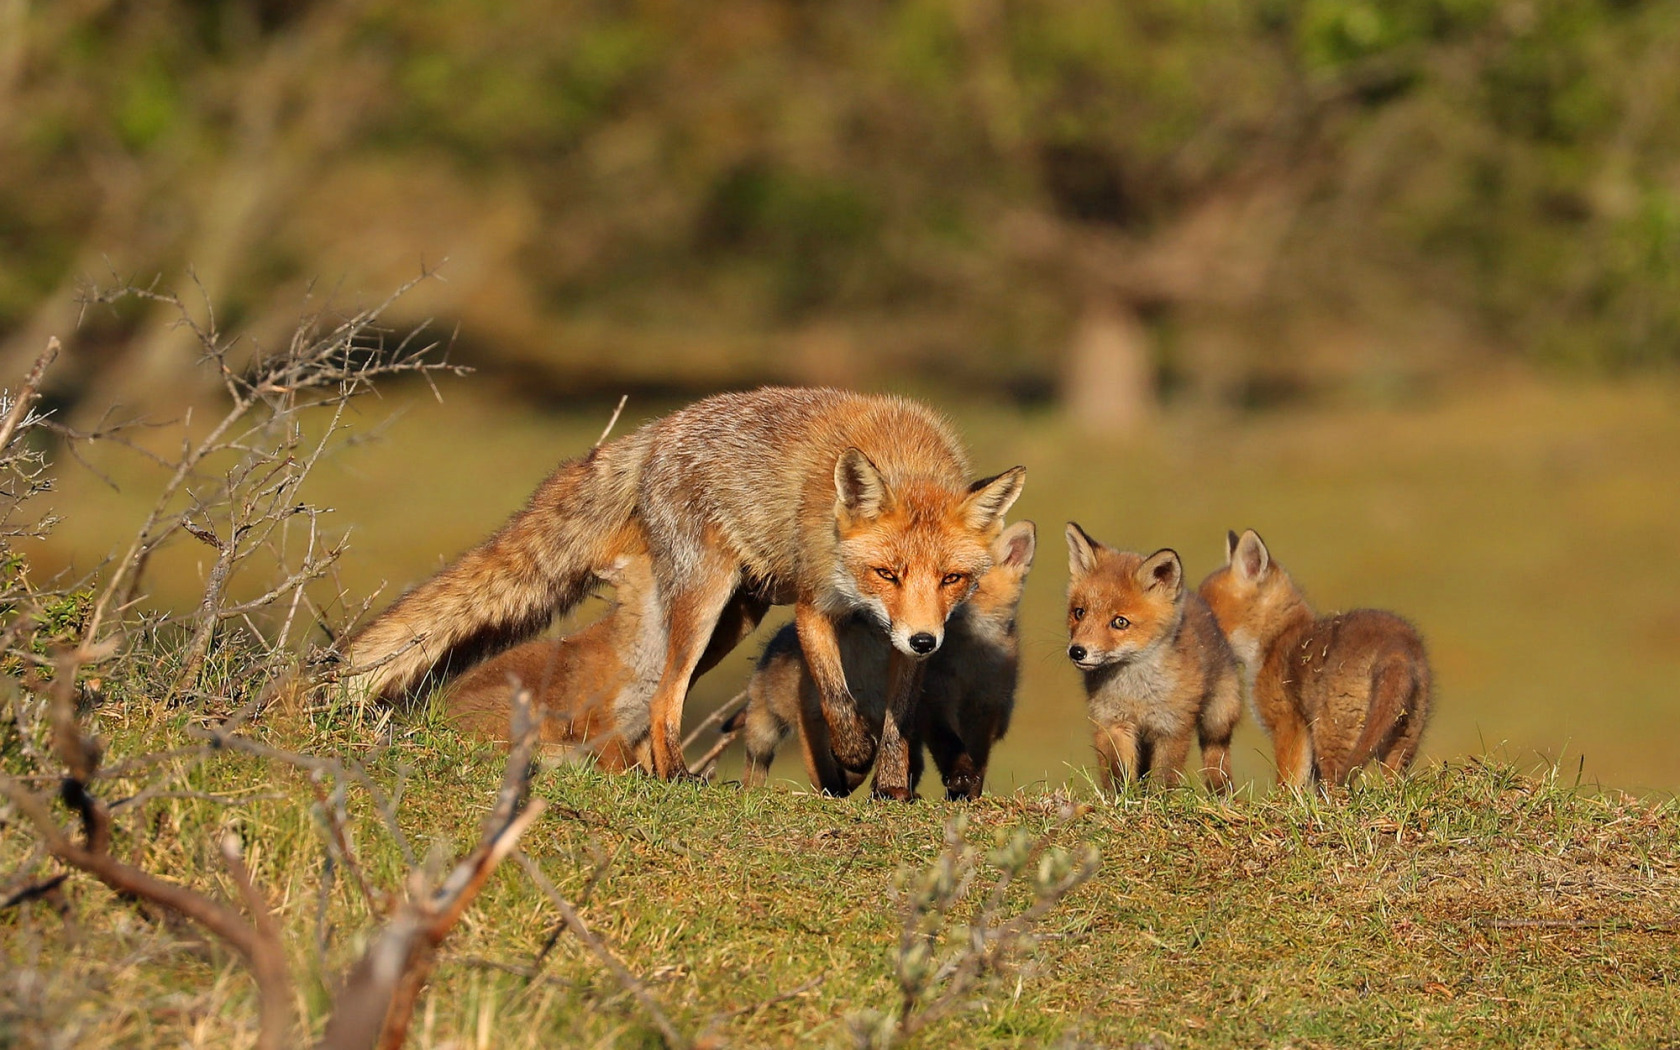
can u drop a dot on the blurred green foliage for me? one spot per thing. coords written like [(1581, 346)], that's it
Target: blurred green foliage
[(752, 166)]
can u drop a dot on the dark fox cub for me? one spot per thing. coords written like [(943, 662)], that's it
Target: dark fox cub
[(966, 693), (1157, 669), (1334, 692)]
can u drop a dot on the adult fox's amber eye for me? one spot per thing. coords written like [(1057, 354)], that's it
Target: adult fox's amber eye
[(952, 578), (1078, 613), (887, 574), (1120, 623)]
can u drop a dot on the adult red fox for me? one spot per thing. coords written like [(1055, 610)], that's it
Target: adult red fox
[(1335, 692), (967, 691), (837, 502), (1157, 670)]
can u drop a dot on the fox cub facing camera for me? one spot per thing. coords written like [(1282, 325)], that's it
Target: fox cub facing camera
[(1157, 670)]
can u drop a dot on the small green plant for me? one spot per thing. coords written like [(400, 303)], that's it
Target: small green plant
[(942, 958)]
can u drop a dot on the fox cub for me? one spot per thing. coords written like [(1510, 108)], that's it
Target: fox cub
[(591, 687), (1333, 693), (967, 690), (1156, 668)]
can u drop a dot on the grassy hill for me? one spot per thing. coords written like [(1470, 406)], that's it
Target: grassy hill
[(1468, 905)]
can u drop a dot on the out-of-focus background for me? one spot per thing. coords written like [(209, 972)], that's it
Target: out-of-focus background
[(1396, 283)]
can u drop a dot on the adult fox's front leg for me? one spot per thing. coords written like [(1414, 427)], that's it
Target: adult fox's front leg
[(849, 737), (892, 762), (691, 618)]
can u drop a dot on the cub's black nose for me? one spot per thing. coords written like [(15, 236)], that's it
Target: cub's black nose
[(924, 643), (1076, 653)]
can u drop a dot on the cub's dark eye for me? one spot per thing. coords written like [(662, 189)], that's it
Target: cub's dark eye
[(1120, 623), (1078, 613), (952, 578), (887, 574)]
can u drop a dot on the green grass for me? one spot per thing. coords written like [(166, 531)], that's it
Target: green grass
[(1467, 905), (1527, 528)]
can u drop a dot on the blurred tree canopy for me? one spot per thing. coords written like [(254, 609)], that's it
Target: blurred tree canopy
[(1014, 193)]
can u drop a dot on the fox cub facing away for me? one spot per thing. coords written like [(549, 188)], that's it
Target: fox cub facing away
[(967, 688), (1156, 667), (1335, 692), (591, 687)]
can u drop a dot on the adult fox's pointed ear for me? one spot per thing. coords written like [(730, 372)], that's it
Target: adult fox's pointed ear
[(1249, 557), (1082, 551), (858, 486), (1164, 570), (1016, 545), (1230, 545), (989, 499)]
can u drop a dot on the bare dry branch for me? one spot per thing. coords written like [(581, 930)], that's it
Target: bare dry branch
[(622, 399), (379, 994), (274, 976), (31, 388), (707, 762)]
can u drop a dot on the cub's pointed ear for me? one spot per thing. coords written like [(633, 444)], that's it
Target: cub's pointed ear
[(860, 490), (1162, 570), (989, 499), (1249, 558), (1082, 551), (1016, 545), (1230, 544)]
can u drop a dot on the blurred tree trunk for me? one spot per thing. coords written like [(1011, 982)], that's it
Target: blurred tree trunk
[(1108, 378), (1216, 256)]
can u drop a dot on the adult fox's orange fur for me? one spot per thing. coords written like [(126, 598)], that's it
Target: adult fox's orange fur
[(967, 688), (1156, 668), (1335, 692), (590, 687), (837, 502)]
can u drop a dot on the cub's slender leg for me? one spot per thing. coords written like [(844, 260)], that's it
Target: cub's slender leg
[(1292, 743), (1117, 746), (763, 730), (1167, 758), (1218, 721), (918, 765), (963, 776)]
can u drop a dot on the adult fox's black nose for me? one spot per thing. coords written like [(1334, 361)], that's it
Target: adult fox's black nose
[(1076, 653), (923, 643)]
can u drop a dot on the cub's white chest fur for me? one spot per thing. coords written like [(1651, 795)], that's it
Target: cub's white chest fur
[(1136, 693)]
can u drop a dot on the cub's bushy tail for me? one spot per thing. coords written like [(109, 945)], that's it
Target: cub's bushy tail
[(538, 565), (1399, 701)]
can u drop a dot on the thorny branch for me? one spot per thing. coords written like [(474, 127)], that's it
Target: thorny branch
[(252, 504)]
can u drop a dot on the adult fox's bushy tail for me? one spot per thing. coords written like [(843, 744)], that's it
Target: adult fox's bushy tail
[(538, 565)]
